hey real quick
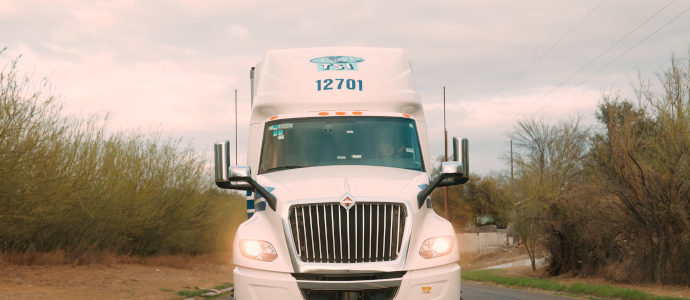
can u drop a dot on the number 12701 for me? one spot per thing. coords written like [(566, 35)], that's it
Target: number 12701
[(338, 84)]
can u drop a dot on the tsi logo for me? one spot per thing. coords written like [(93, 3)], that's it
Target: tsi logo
[(337, 63)]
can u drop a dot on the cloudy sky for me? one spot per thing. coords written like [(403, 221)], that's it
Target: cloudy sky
[(173, 66)]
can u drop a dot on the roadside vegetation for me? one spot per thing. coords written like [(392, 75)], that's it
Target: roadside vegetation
[(70, 186), (612, 200), (581, 289)]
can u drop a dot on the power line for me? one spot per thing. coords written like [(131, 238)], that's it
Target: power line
[(489, 135), (548, 50), (624, 53), (634, 46), (615, 44), (541, 56)]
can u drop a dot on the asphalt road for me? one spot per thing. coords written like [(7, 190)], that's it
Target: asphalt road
[(473, 291)]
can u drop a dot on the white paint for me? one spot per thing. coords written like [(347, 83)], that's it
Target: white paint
[(287, 88)]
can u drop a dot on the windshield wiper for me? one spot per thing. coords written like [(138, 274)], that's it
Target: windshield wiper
[(281, 168)]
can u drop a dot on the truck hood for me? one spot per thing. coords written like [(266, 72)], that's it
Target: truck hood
[(330, 183)]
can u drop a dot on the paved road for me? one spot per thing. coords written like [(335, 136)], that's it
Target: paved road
[(473, 291)]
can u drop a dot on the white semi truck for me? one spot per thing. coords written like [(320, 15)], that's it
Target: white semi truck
[(340, 175)]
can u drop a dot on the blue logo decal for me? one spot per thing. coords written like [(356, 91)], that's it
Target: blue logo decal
[(337, 63)]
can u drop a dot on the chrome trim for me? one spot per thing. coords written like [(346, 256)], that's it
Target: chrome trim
[(311, 227), (221, 155), (383, 239), (332, 231), (299, 246), (304, 225), (340, 230), (390, 241), (318, 227), (371, 211), (347, 212), (325, 231), (356, 232), (378, 219), (397, 241), (369, 266), (363, 220), (466, 156), (451, 167)]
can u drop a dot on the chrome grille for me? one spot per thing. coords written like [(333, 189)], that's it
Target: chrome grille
[(367, 232)]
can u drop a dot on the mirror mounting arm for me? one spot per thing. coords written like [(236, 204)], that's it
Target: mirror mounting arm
[(421, 197), (270, 198), (238, 177), (441, 180), (250, 185), (451, 173), (230, 186)]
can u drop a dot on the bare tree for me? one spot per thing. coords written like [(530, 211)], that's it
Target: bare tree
[(549, 157)]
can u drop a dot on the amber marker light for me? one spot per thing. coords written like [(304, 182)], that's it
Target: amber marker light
[(340, 113), (357, 113), (406, 116), (273, 118), (323, 113)]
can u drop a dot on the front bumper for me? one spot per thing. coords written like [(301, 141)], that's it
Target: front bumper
[(441, 282)]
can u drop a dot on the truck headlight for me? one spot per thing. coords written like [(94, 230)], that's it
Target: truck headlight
[(436, 246), (258, 250)]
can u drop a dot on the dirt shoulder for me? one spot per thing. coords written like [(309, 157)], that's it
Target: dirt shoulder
[(158, 277), (118, 280), (475, 262)]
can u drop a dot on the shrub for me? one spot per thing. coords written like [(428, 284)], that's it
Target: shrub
[(67, 184)]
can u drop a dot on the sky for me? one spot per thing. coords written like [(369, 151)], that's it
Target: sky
[(173, 66)]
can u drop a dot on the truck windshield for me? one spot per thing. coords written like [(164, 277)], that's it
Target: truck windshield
[(326, 141)]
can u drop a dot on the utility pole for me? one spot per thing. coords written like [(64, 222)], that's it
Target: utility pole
[(512, 191), (236, 127), (512, 179), (445, 157)]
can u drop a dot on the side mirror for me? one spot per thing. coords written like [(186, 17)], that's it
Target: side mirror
[(239, 173), (463, 155), (221, 155), (451, 168), (452, 172), (236, 177)]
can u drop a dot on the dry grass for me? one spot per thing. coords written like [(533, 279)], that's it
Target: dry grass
[(32, 258), (58, 257), (180, 261), (115, 281)]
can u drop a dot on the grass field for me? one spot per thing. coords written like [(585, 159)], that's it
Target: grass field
[(596, 290)]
